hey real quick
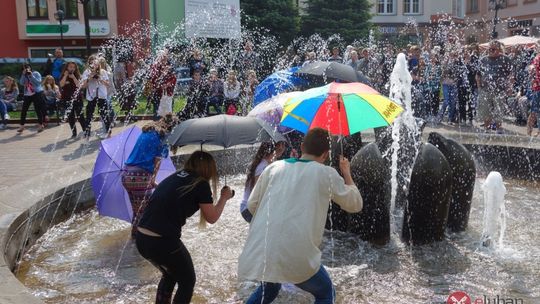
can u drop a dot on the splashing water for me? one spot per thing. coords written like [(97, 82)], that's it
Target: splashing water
[(494, 210), (405, 134)]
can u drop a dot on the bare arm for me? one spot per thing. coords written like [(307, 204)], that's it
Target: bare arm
[(211, 212)]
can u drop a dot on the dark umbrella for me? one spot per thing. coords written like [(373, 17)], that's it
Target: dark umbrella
[(333, 71), (223, 130)]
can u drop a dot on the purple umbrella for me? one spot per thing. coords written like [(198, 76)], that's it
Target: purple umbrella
[(111, 197)]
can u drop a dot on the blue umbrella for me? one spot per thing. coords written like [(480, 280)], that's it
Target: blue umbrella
[(111, 197), (278, 82)]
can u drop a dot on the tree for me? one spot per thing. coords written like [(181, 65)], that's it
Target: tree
[(348, 18), (278, 16)]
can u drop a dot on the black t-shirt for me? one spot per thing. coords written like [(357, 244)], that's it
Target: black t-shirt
[(170, 205)]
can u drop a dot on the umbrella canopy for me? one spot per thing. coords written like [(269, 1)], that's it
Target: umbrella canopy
[(332, 70), (111, 197), (276, 83), (271, 110), (223, 130), (515, 41), (340, 108)]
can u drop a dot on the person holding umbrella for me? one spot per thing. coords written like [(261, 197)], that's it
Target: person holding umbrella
[(142, 166), (176, 199), (292, 197)]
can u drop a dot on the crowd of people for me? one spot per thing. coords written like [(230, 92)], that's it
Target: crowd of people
[(455, 84)]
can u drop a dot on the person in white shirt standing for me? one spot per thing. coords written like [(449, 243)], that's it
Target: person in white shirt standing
[(291, 198), (96, 80)]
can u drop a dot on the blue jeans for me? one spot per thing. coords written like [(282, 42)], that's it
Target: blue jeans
[(450, 94), (319, 285)]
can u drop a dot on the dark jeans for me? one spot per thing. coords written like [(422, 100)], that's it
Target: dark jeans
[(319, 285), (434, 101), (76, 112), (103, 113), (465, 107), (38, 99), (172, 258)]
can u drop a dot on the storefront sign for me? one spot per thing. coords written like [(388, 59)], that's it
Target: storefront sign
[(212, 19), (519, 23), (69, 28), (388, 29)]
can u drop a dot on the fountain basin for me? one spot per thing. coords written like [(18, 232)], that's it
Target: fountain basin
[(21, 228)]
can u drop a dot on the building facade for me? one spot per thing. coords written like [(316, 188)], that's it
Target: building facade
[(414, 20), (35, 30), (518, 17)]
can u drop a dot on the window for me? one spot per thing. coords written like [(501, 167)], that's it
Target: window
[(69, 7), (385, 7), (37, 9), (97, 9), (457, 8), (411, 7), (472, 6)]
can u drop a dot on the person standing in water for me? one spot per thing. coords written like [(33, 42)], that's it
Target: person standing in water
[(291, 199), (176, 199), (142, 166)]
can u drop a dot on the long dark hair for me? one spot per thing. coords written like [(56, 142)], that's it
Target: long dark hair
[(77, 73), (266, 149)]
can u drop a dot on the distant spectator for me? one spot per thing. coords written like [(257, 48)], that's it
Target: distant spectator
[(162, 80), (8, 100), (249, 59), (368, 65), (96, 81), (335, 56), (311, 57), (494, 80), (432, 75), (231, 92), (215, 87), (354, 62), (54, 67), (414, 57), (196, 63), (33, 94), (196, 98), (534, 116), (449, 78), (71, 97), (347, 54), (52, 94), (249, 90)]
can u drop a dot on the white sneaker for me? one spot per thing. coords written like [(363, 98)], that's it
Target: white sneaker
[(7, 116)]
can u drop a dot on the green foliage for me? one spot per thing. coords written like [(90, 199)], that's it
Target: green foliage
[(280, 17), (348, 18)]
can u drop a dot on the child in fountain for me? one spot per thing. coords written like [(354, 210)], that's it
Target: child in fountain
[(289, 205), (176, 199), (267, 153)]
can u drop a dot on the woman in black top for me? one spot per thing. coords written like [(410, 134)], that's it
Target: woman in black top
[(174, 200), (71, 98)]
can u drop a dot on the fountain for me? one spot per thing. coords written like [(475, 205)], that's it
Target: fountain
[(62, 251)]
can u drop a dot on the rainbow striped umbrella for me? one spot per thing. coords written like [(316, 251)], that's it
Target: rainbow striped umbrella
[(340, 108)]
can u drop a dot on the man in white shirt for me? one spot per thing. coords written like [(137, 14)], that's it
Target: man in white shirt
[(289, 205)]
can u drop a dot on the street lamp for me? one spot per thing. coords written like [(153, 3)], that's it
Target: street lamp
[(85, 4), (496, 5), (60, 16)]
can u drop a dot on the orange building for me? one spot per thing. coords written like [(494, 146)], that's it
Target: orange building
[(31, 29)]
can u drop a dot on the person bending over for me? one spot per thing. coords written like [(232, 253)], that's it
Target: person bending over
[(176, 199)]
